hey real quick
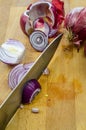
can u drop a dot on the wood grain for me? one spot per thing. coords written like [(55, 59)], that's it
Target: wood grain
[(62, 100)]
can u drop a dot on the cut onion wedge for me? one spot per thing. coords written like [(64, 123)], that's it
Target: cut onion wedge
[(38, 40), (12, 51)]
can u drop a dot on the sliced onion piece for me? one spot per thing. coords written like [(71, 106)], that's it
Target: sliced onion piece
[(46, 71), (13, 76), (28, 66), (39, 40), (30, 89), (40, 24), (12, 51), (25, 23), (18, 72), (14, 47)]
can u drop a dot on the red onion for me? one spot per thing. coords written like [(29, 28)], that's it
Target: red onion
[(18, 72), (75, 23), (30, 89), (51, 12), (11, 52), (39, 40)]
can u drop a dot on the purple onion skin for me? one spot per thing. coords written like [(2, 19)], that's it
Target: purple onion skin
[(82, 34), (28, 89), (23, 20), (75, 21)]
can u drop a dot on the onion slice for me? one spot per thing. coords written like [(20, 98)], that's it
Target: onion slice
[(30, 89), (18, 72), (12, 51), (38, 40)]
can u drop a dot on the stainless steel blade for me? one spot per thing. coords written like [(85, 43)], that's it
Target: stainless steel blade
[(13, 101)]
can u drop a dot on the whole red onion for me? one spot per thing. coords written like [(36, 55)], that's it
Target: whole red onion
[(75, 23)]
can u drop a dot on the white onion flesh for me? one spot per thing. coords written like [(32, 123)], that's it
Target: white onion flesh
[(12, 51), (40, 9)]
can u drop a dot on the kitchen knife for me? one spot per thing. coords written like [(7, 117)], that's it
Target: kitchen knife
[(13, 101)]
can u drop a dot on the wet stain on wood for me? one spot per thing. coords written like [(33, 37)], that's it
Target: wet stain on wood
[(67, 51), (77, 86), (63, 89)]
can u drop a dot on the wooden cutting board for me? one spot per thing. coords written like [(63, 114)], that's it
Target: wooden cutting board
[(62, 100)]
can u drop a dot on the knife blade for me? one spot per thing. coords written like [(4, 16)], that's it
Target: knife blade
[(13, 101)]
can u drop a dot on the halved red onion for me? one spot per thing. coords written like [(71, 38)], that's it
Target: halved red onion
[(51, 12), (30, 89), (18, 72), (38, 40), (75, 23), (40, 24), (12, 51)]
